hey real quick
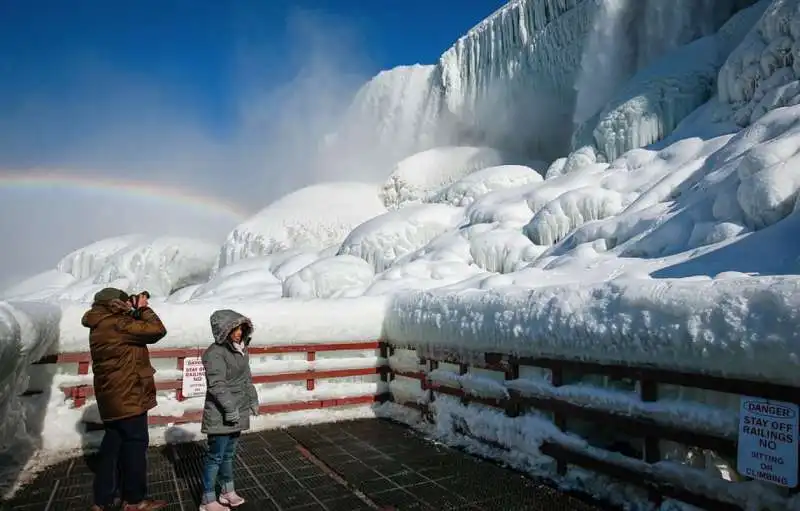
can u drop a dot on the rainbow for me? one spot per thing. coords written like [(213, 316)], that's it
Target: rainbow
[(124, 187)]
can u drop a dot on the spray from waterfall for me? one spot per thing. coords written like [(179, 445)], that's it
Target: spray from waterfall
[(605, 60)]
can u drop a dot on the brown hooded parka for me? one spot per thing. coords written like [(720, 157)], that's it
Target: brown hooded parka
[(124, 382)]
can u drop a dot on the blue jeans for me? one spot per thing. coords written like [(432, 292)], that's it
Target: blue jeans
[(219, 465)]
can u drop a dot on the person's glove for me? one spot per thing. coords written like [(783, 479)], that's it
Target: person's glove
[(232, 417), (137, 313), (254, 410)]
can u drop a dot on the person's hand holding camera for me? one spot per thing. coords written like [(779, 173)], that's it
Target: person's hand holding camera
[(139, 303)]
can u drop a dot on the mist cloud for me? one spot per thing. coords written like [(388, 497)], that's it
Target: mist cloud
[(112, 123)]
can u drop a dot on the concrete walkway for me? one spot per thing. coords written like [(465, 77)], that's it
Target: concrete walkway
[(344, 466)]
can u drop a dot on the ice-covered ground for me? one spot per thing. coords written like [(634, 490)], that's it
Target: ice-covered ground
[(668, 236)]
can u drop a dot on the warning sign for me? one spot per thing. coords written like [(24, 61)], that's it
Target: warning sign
[(194, 377), (768, 441)]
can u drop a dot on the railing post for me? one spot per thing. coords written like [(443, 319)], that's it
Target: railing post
[(387, 351), (512, 403), (79, 395), (310, 357), (179, 391), (557, 380), (648, 392)]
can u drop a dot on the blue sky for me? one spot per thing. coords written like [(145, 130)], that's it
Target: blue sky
[(217, 97), (72, 67)]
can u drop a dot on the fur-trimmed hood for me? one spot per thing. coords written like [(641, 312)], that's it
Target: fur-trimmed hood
[(224, 321)]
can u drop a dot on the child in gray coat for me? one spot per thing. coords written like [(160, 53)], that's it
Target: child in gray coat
[(230, 399)]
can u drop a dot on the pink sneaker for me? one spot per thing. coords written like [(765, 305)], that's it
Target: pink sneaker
[(231, 499), (213, 506)]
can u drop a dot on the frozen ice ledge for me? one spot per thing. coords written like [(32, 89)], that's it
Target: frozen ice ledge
[(740, 328)]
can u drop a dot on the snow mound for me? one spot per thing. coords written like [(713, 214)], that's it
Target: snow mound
[(508, 207), (384, 239), (570, 210), (502, 250), (341, 276), (420, 176), (245, 284), (464, 191), (311, 218)]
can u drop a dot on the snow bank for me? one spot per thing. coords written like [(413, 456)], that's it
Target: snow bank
[(420, 176), (27, 332), (312, 218), (384, 239), (747, 328), (275, 322)]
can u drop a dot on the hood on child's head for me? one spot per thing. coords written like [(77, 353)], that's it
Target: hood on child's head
[(224, 321)]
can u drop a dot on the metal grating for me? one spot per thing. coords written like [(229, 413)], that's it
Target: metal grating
[(346, 466)]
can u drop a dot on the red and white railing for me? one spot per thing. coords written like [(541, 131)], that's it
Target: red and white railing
[(80, 392)]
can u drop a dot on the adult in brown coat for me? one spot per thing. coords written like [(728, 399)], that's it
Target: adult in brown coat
[(120, 329)]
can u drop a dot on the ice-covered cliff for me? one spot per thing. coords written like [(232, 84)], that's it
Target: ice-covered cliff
[(526, 76)]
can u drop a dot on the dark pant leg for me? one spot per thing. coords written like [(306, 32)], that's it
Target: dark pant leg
[(133, 455), (105, 479), (226, 467), (217, 445)]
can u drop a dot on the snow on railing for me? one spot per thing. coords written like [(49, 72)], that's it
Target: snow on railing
[(586, 422), (79, 389)]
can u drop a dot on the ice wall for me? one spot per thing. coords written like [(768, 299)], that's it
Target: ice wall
[(762, 73), (651, 104), (520, 79), (516, 69)]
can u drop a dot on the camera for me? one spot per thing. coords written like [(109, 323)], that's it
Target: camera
[(135, 299)]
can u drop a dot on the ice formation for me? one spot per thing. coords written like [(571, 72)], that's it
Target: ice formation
[(667, 237), (384, 239), (467, 189), (160, 265), (420, 176), (340, 276)]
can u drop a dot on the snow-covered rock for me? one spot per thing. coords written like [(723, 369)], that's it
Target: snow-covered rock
[(311, 218)]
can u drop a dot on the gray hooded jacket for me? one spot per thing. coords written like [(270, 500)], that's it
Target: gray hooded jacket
[(230, 383)]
